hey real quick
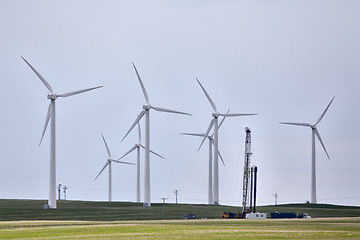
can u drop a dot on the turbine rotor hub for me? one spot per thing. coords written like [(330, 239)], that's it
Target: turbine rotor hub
[(147, 106), (216, 114), (52, 96)]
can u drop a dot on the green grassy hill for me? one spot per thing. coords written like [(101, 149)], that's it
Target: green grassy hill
[(12, 210)]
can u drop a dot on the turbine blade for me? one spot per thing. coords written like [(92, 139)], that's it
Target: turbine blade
[(107, 148), (133, 125), (46, 123), (142, 85), (318, 136), (207, 95), (77, 92), (207, 132), (223, 119), (153, 152), (297, 124), (221, 158), (117, 161), (47, 85), (168, 110), (139, 132), (322, 115), (132, 149), (236, 114), (157, 154), (107, 163), (194, 134)]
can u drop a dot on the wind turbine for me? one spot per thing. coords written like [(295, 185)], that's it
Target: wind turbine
[(108, 163), (137, 147), (211, 143), (146, 112), (214, 122), (51, 115), (314, 132)]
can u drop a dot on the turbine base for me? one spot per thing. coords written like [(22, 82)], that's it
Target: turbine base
[(47, 206)]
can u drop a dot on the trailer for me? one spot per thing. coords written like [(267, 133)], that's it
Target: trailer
[(283, 215), (257, 215), (288, 215), (189, 216)]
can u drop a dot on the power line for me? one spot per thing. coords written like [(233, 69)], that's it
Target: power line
[(59, 189), (176, 194), (65, 188)]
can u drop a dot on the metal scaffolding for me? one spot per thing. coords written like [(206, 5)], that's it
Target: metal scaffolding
[(246, 171)]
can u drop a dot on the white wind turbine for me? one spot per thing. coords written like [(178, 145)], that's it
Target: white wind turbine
[(214, 122), (211, 143), (51, 115), (146, 112), (314, 132), (137, 147), (108, 163)]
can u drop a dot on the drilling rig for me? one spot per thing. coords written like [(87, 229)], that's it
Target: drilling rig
[(246, 172), (249, 194)]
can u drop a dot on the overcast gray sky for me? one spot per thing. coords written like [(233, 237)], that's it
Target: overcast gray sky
[(284, 60)]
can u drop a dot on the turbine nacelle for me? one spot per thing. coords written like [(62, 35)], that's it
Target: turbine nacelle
[(216, 115), (147, 106), (52, 96)]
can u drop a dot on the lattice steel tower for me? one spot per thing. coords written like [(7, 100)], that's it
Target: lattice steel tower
[(246, 171)]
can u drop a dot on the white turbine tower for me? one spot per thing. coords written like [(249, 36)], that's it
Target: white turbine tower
[(108, 163), (137, 147), (146, 112), (214, 122), (51, 115), (314, 132), (211, 143)]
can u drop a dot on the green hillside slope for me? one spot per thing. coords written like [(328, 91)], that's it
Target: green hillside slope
[(12, 210)]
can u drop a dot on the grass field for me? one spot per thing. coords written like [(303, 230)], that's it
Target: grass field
[(26, 219), (321, 228), (15, 210)]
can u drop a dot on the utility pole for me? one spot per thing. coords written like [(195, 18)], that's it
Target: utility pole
[(163, 208), (59, 189), (276, 198), (65, 188), (176, 194)]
